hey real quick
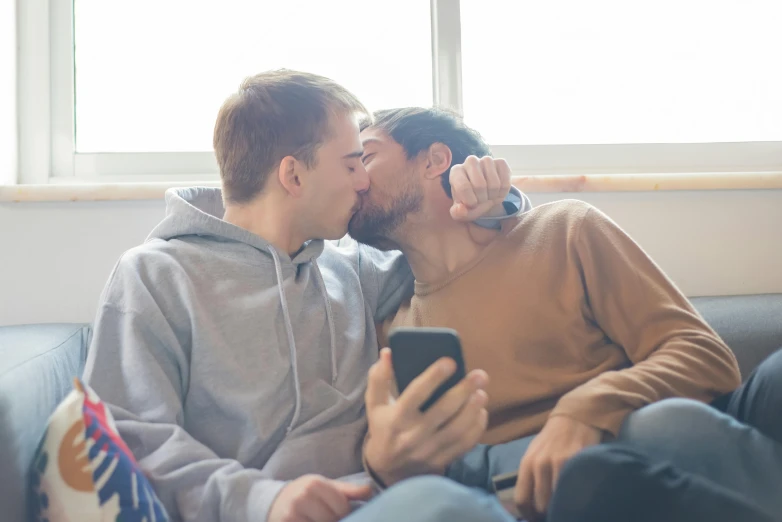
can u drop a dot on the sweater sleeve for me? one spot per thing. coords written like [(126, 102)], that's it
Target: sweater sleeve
[(673, 352)]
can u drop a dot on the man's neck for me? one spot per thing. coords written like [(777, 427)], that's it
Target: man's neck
[(436, 251), (270, 219)]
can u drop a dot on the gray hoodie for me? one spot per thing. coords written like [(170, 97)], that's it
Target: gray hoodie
[(231, 367)]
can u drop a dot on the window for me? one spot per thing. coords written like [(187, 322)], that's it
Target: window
[(612, 71), (136, 85), (151, 75), (125, 91), (681, 85)]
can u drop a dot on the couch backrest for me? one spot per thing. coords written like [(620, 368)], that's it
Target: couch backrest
[(750, 324), (38, 363)]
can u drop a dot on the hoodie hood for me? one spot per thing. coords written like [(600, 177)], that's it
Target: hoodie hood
[(198, 211)]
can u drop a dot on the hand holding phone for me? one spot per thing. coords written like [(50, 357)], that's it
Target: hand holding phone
[(403, 439)]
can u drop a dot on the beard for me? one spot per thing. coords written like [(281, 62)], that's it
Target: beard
[(375, 225)]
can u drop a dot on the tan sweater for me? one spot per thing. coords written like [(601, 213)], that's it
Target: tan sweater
[(570, 317)]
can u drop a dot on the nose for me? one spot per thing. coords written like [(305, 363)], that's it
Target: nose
[(361, 179)]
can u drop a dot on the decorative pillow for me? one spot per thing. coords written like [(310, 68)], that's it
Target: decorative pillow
[(84, 472)]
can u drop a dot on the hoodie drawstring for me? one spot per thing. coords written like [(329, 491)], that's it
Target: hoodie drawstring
[(291, 341), (330, 320)]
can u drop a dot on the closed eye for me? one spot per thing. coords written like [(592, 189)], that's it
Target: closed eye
[(366, 158)]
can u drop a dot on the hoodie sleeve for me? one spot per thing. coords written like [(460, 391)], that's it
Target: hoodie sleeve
[(138, 365), (515, 203)]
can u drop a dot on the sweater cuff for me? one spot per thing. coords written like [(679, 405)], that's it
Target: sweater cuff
[(515, 204)]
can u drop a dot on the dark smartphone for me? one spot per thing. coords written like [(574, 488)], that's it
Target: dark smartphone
[(413, 350)]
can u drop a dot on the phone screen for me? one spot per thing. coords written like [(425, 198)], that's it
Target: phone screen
[(413, 350)]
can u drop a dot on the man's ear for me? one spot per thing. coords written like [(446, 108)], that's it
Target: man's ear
[(289, 175), (438, 160)]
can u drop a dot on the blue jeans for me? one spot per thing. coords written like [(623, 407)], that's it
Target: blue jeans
[(680, 460), (431, 498), (675, 460)]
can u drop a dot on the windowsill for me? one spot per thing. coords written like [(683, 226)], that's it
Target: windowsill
[(528, 184)]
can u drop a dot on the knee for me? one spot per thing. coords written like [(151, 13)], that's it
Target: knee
[(435, 498), (768, 378), (672, 422), (584, 476), (416, 490), (608, 482)]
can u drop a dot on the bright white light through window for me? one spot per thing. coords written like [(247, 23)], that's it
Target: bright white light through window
[(151, 75), (618, 71)]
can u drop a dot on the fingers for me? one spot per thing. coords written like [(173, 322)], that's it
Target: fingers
[(455, 399), (478, 186), (316, 510), (314, 503), (464, 431), (459, 212), (461, 186), (525, 488), (332, 499), (504, 174), (542, 495), (355, 491), (474, 168), (492, 177), (535, 485), (556, 468), (423, 386), (477, 181), (380, 381), (467, 215)]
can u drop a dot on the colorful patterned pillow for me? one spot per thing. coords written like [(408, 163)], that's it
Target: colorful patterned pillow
[(84, 472)]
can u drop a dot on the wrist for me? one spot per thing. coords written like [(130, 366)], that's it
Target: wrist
[(379, 481)]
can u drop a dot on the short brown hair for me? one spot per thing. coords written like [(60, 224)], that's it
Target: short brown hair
[(417, 128), (274, 114)]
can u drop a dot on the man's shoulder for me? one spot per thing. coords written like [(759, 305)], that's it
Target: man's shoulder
[(153, 264), (154, 253), (565, 215), (568, 209)]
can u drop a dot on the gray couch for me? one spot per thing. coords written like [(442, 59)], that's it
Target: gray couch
[(38, 363)]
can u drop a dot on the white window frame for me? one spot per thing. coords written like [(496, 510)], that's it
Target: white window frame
[(46, 117)]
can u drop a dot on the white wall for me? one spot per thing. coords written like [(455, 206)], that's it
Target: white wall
[(55, 257)]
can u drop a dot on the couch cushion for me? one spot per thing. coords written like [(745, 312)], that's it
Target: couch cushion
[(750, 324), (37, 367)]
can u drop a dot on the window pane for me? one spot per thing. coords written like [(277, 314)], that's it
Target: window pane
[(613, 71), (151, 74)]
